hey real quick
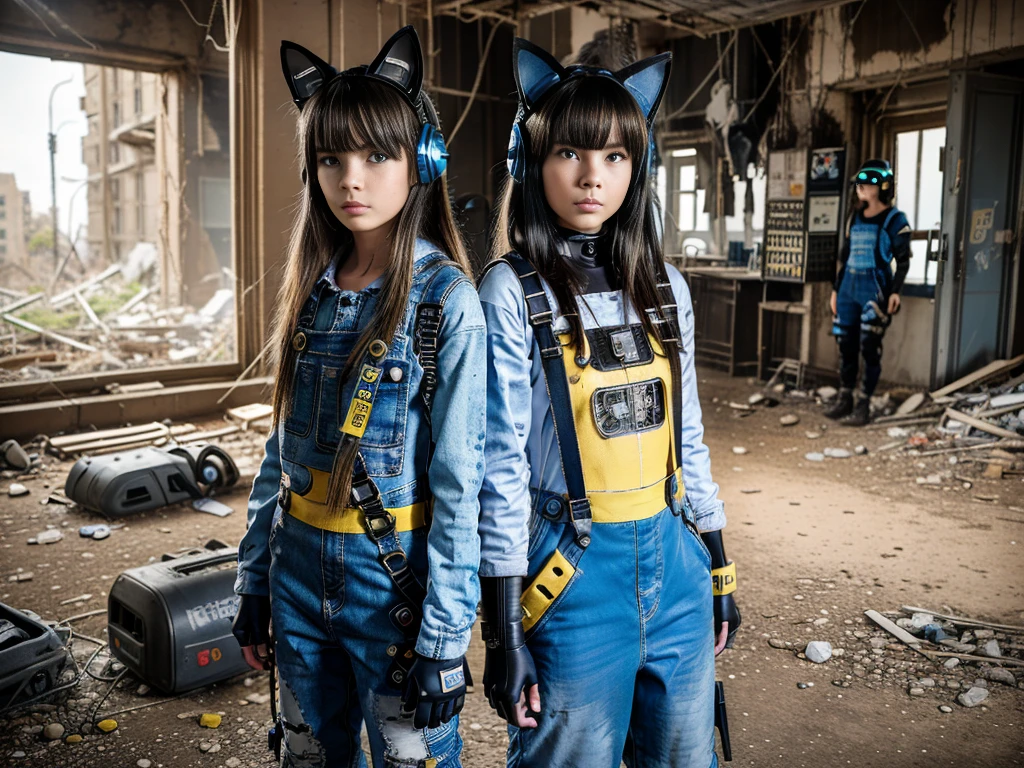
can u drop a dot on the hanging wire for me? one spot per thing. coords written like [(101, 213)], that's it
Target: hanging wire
[(715, 68), (476, 83)]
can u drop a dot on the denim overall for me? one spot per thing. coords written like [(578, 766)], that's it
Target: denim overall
[(861, 302), (342, 640), (622, 633)]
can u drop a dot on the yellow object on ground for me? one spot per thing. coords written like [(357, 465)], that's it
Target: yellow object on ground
[(210, 721), (107, 725)]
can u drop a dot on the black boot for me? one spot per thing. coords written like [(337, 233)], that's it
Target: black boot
[(861, 414), (843, 405)]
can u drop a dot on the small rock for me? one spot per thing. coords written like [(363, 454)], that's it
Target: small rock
[(818, 651), (837, 652), (789, 420), (53, 731), (232, 762), (951, 663), (812, 435), (999, 675), (801, 686), (820, 622), (921, 620), (739, 450), (897, 432), (17, 489), (916, 691), (837, 453), (972, 697), (215, 748), (144, 763), (107, 725), (814, 456), (945, 709), (926, 682), (51, 536), (990, 649), (776, 643), (827, 393), (860, 450), (73, 738), (19, 753), (204, 746), (755, 398), (750, 490), (142, 690), (980, 634)]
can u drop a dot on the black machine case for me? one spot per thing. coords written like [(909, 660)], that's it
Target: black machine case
[(170, 622)]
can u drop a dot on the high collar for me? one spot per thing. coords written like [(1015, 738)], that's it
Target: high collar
[(588, 250)]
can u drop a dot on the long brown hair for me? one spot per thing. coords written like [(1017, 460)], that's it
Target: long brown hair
[(582, 114), (352, 114)]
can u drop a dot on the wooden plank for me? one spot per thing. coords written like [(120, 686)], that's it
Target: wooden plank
[(26, 325), (26, 358), (26, 419), (22, 302), (896, 631), (69, 295), (120, 443), (93, 317), (63, 441), (996, 366), (211, 434), (984, 426), (133, 302), (980, 447), (963, 621)]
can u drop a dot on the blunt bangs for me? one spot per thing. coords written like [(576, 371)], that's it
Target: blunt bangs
[(583, 113), (353, 114)]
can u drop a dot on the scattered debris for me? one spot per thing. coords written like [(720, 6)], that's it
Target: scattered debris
[(14, 455), (789, 420), (972, 697), (17, 489)]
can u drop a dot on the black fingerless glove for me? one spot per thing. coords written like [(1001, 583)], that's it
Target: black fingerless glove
[(508, 666), (252, 622), (435, 690), (723, 585)]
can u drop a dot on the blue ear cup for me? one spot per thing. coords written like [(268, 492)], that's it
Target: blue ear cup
[(516, 162), (431, 154)]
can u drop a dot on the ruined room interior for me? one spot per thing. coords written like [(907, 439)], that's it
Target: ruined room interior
[(144, 327)]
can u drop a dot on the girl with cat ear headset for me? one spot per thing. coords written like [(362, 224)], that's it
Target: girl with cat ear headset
[(362, 544), (598, 509)]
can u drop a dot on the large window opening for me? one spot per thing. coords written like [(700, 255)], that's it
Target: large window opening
[(919, 194), (130, 268)]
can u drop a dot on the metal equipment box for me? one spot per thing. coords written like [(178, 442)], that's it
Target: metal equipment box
[(170, 622)]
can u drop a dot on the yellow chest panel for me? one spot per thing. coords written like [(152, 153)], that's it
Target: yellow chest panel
[(622, 407)]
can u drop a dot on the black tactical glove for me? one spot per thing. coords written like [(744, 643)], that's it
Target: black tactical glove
[(723, 584), (251, 626), (508, 666), (435, 690)]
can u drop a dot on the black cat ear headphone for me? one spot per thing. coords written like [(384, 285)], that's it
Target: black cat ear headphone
[(538, 73), (400, 65)]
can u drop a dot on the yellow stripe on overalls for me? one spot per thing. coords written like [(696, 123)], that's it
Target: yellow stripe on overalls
[(312, 510)]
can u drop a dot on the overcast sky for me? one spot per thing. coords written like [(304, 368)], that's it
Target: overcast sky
[(25, 83)]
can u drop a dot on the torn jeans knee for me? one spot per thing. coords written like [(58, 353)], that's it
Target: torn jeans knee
[(406, 746), (301, 747)]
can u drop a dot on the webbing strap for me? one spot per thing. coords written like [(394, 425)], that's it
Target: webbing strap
[(380, 526), (669, 316), (555, 378)]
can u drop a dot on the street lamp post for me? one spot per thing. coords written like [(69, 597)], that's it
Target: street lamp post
[(53, 172)]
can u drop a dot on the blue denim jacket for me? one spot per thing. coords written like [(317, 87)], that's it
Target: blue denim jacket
[(522, 451), (397, 440)]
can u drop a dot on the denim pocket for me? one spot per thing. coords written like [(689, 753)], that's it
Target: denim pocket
[(383, 444), (303, 400)]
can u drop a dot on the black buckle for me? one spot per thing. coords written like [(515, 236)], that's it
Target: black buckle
[(361, 488), (385, 561), (380, 526)]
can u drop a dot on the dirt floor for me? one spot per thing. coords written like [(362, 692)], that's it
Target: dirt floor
[(816, 544)]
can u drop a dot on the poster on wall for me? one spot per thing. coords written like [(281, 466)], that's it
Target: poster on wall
[(823, 213), (826, 170), (787, 174)]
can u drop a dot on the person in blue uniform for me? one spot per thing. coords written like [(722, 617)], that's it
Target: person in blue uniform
[(362, 547), (600, 523), (872, 266)]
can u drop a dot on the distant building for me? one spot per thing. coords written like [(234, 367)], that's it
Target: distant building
[(121, 106), (15, 214)]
